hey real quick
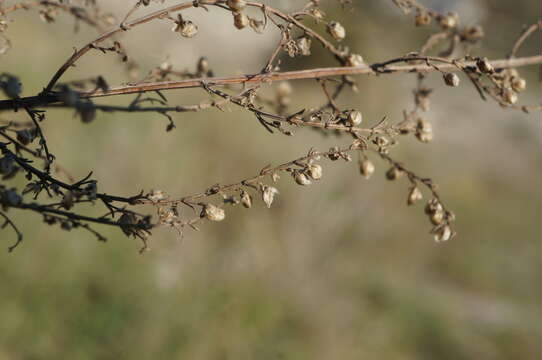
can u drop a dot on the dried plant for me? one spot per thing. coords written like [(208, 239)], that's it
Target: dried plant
[(26, 151)]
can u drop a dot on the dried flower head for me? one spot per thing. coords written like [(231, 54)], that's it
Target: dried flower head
[(246, 199), (414, 195), (354, 118), (315, 171)]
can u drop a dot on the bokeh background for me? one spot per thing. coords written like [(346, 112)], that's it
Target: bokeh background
[(338, 270)]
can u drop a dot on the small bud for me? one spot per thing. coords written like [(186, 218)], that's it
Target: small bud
[(433, 206), (393, 173), (127, 222), (7, 165), (304, 45), (519, 84), (246, 199), (10, 198), (366, 168), (485, 66), (315, 171), (509, 96), (443, 234), (422, 18), (268, 194), (237, 5), (317, 13), (336, 30), (354, 60), (214, 213), (414, 195), (240, 20), (451, 79)]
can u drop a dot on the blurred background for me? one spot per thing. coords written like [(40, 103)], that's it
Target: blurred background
[(338, 270)]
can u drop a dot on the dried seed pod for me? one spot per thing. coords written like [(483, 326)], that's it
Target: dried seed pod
[(509, 96), (203, 65), (304, 45), (354, 118), (156, 195), (240, 20), (414, 195), (424, 130), (214, 213), (87, 112), (443, 234), (68, 200), (519, 84), (10, 198), (485, 66), (26, 136), (237, 5), (422, 18), (448, 21), (451, 79), (393, 173), (433, 206), (336, 30), (284, 89), (11, 86), (301, 178), (315, 171), (127, 223), (354, 60), (317, 13), (246, 199), (268, 194), (366, 168), (473, 33)]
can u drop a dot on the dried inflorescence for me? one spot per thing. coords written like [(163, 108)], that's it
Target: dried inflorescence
[(24, 145)]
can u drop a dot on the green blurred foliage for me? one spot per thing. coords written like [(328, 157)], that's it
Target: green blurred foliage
[(340, 270)]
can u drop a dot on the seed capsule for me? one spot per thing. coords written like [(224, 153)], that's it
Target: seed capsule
[(354, 118), (336, 30), (451, 79), (11, 86), (237, 5), (240, 20), (214, 213), (366, 168)]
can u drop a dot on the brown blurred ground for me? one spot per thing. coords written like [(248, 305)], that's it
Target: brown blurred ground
[(340, 270)]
